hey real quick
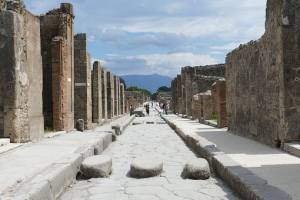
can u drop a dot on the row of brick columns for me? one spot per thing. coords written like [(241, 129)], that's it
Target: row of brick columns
[(47, 81)]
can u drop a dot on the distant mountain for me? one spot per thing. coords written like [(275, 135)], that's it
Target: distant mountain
[(149, 82)]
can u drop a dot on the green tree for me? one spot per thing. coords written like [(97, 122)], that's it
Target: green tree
[(134, 88), (164, 89)]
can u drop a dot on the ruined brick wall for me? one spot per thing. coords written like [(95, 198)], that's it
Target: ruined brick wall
[(97, 92), (135, 98), (196, 80), (21, 117), (262, 79), (82, 73), (57, 25), (219, 98)]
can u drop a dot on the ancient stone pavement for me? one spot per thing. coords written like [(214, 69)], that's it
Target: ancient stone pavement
[(154, 140)]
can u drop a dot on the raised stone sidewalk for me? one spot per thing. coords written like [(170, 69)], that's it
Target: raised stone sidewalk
[(254, 170), (44, 169)]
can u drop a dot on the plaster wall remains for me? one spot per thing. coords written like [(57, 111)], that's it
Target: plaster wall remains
[(57, 41), (83, 88), (263, 79), (21, 117)]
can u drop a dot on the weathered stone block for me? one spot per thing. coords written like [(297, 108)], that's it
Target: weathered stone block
[(21, 117), (97, 92)]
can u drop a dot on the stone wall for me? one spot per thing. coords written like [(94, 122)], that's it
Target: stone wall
[(219, 98), (83, 90), (21, 117), (263, 80), (194, 80), (135, 98), (57, 39)]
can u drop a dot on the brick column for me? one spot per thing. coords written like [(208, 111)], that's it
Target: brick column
[(97, 92), (110, 95), (122, 98), (116, 99), (219, 97), (104, 87), (57, 32), (83, 96), (63, 115)]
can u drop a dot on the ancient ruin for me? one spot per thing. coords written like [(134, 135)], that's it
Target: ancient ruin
[(46, 77), (219, 100), (57, 39), (21, 78), (83, 82), (192, 81), (263, 80)]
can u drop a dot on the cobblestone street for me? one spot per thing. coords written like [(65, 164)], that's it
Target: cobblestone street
[(155, 140)]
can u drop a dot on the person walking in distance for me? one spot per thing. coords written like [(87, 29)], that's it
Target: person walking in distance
[(148, 109), (131, 110)]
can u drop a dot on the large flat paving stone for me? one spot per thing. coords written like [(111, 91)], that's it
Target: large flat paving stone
[(97, 167), (146, 167)]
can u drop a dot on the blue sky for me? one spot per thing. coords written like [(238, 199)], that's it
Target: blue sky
[(161, 36)]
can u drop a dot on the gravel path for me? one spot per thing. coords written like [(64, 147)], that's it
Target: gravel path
[(156, 140)]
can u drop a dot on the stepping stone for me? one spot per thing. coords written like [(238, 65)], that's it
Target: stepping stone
[(80, 125), (96, 167), (146, 168), (136, 123), (197, 169)]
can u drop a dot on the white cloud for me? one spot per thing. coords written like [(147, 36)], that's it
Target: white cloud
[(165, 64)]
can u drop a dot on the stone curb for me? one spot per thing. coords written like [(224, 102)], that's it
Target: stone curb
[(50, 183), (119, 128), (243, 181)]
